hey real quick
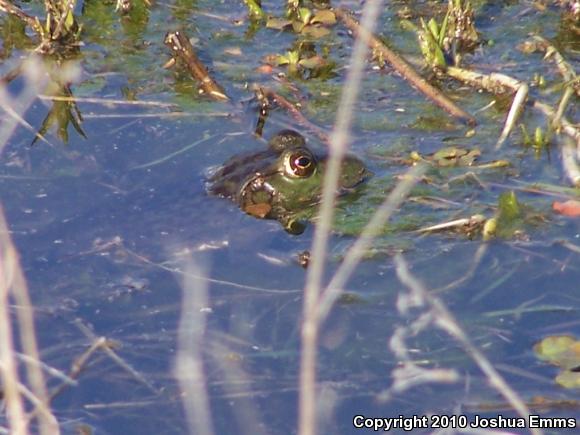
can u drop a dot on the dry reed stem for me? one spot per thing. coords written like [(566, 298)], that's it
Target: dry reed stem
[(189, 369), (359, 248), (8, 365), (12, 283), (496, 83), (515, 110), (307, 424), (565, 69), (570, 151), (9, 8), (443, 318), (106, 346), (569, 162), (106, 101)]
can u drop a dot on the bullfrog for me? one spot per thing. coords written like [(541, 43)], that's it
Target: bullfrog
[(283, 181)]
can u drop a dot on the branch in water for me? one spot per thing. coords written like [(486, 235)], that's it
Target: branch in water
[(405, 69), (179, 44)]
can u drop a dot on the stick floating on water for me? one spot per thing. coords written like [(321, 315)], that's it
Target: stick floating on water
[(181, 48)]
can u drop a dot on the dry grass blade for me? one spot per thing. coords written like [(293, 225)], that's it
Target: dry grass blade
[(564, 67), (562, 106), (356, 252), (33, 71), (515, 110), (338, 145), (189, 369), (445, 320), (496, 84), (569, 161), (106, 345), (570, 150), (105, 101), (8, 364), (12, 283)]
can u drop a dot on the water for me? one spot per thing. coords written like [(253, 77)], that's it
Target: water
[(101, 223)]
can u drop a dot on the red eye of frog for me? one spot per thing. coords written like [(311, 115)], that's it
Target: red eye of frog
[(300, 163)]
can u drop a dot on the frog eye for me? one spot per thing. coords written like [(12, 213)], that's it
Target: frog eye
[(300, 163)]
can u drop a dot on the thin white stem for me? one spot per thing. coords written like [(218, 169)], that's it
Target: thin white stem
[(307, 424)]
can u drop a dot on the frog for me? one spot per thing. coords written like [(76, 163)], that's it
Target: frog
[(283, 182)]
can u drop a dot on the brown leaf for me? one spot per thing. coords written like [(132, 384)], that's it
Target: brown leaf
[(258, 210)]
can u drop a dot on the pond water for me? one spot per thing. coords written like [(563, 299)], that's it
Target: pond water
[(102, 223)]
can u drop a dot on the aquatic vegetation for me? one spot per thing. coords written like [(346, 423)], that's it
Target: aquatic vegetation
[(481, 210), (562, 351)]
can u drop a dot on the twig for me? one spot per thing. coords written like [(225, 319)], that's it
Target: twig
[(174, 154), (569, 162), (179, 44), (564, 67), (562, 106), (496, 84), (176, 270), (12, 9), (515, 111), (570, 151), (48, 369), (467, 275), (263, 112), (405, 69), (79, 365), (296, 114), (567, 128), (107, 348), (105, 101), (445, 320)]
